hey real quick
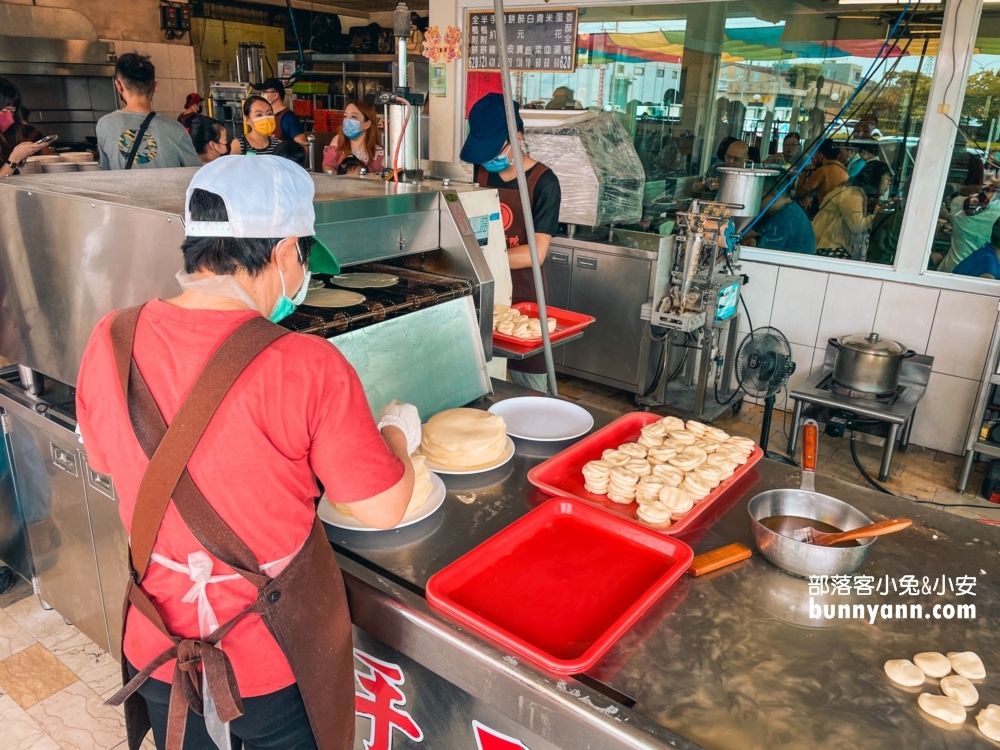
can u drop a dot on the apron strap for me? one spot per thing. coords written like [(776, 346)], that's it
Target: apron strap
[(204, 522), (170, 458)]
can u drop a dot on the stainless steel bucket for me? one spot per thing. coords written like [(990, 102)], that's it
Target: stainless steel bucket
[(742, 187)]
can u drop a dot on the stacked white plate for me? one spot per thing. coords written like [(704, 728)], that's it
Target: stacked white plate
[(77, 157), (88, 166), (58, 166)]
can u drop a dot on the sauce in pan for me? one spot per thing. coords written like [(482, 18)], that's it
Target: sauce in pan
[(788, 525)]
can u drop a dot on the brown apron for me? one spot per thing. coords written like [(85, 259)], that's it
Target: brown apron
[(516, 233), (305, 607)]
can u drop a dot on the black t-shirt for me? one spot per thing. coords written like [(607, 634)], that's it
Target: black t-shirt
[(545, 206)]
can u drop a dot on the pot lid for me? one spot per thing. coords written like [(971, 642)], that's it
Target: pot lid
[(872, 343)]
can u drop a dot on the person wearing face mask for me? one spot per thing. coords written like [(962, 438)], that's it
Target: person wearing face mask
[(358, 138), (489, 149), (288, 127), (259, 119), (134, 137), (210, 138), (17, 137), (239, 423)]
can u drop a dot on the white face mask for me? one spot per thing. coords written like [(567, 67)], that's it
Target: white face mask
[(219, 286)]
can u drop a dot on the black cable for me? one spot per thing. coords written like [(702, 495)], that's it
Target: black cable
[(861, 468), (295, 30)]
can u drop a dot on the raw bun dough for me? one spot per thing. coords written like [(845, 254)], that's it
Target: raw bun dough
[(960, 689), (989, 722), (967, 664), (333, 298), (904, 672), (933, 664), (941, 707), (365, 280), (464, 439)]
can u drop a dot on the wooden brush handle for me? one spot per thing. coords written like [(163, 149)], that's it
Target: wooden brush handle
[(719, 558), (876, 529)]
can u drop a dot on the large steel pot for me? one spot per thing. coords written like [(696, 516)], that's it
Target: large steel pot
[(868, 363), (742, 187)]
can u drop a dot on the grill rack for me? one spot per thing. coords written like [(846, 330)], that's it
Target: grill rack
[(414, 291)]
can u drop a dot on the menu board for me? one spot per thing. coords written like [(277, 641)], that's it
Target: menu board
[(538, 41)]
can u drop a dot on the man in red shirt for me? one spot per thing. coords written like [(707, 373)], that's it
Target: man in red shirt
[(294, 419)]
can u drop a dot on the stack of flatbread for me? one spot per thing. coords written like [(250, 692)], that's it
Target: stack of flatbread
[(464, 439), (512, 322)]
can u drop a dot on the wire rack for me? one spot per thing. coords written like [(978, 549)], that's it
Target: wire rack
[(415, 290)]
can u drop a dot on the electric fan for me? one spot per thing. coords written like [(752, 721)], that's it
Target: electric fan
[(763, 366)]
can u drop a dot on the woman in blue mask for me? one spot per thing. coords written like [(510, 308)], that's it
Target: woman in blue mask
[(489, 149), (358, 137)]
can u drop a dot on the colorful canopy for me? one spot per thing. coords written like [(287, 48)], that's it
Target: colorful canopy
[(757, 44)]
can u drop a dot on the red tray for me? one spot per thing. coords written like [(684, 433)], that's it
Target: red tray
[(567, 323), (560, 585), (561, 475)]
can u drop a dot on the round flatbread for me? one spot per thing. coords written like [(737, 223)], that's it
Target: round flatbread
[(933, 664), (365, 280), (464, 439), (333, 298), (959, 689), (941, 707), (968, 664), (904, 672), (989, 722)]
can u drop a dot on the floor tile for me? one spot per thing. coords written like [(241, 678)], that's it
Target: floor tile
[(13, 638), (93, 665), (47, 626), (20, 731), (77, 719), (33, 675)]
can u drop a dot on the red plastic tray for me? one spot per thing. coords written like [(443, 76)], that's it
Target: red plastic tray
[(560, 585), (561, 475), (567, 323)]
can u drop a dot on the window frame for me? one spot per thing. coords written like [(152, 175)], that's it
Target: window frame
[(959, 30)]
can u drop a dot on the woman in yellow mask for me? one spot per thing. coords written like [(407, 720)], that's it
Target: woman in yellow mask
[(259, 119)]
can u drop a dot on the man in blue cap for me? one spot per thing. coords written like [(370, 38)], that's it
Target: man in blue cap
[(489, 148)]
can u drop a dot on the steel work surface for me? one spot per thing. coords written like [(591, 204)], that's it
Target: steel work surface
[(732, 660)]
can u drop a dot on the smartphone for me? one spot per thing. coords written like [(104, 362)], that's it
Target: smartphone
[(47, 139)]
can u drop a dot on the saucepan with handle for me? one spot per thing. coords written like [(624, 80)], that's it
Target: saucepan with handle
[(802, 558)]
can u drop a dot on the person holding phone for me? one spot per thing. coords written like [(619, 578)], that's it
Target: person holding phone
[(18, 138)]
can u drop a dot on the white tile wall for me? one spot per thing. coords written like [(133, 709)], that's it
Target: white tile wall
[(944, 413), (961, 334), (954, 328), (181, 61), (905, 313), (758, 294), (798, 304), (849, 307)]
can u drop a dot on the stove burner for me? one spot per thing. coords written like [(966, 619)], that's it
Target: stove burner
[(882, 398)]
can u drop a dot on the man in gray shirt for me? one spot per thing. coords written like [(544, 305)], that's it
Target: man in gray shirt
[(163, 143)]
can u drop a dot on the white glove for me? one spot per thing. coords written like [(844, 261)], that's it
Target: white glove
[(406, 418)]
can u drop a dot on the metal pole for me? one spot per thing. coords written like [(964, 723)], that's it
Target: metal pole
[(522, 189)]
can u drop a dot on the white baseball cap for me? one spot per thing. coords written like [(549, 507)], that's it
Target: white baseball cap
[(266, 197)]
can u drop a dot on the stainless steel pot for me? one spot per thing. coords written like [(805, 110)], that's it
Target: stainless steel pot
[(868, 363), (742, 187)]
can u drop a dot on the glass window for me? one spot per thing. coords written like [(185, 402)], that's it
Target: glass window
[(967, 241), (698, 85)]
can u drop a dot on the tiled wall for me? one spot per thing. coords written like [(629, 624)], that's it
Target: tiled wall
[(955, 328), (174, 72)]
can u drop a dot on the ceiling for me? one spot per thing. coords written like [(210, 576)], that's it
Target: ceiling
[(360, 8)]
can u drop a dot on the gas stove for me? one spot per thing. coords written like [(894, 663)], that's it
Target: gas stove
[(881, 417)]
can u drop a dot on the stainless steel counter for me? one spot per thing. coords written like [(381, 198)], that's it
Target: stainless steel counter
[(730, 660)]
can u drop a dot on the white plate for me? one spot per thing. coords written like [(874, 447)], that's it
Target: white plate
[(327, 514), (543, 419), (508, 454)]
